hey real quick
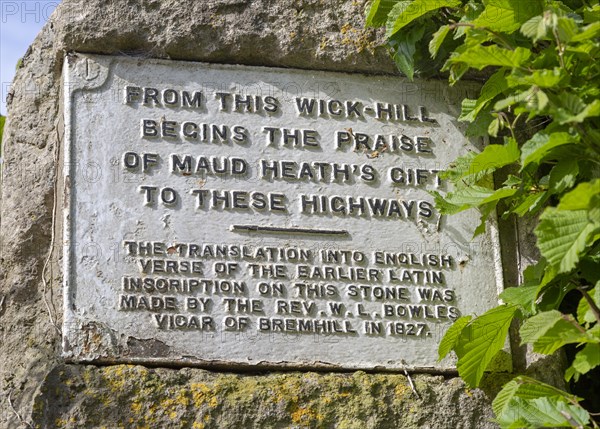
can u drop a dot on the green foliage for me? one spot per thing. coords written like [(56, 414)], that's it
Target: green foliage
[(478, 341), (525, 402), (541, 101)]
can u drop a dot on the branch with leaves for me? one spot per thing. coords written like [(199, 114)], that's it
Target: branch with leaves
[(541, 102)]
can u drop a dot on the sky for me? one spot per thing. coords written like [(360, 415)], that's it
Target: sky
[(20, 22)]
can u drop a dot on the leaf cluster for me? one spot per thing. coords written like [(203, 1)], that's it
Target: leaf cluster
[(541, 103)]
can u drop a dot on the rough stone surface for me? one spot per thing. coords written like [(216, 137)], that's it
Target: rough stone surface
[(122, 396), (37, 389)]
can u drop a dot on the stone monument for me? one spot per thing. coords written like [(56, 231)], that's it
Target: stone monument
[(219, 215)]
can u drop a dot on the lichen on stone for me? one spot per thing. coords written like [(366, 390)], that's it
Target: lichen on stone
[(138, 397)]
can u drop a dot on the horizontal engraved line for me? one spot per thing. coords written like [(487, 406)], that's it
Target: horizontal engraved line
[(276, 229)]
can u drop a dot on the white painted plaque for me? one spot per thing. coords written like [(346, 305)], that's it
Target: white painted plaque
[(238, 216)]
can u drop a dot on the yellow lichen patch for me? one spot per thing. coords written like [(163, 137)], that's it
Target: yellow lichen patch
[(198, 425), (287, 390), (200, 393), (63, 423), (345, 28), (234, 389), (306, 417), (358, 37), (401, 391), (117, 376), (136, 407), (323, 43)]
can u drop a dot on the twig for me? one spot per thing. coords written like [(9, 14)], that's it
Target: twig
[(10, 404), (560, 47), (410, 382), (573, 322), (571, 420), (590, 302)]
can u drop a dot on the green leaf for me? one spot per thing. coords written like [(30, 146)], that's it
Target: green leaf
[(404, 45), (517, 97), (591, 14), (585, 315), (473, 196), (543, 412), (530, 204), (585, 360), (544, 78), (589, 111), (523, 296), (580, 198), (535, 28), (405, 12), (536, 326), (457, 71), (563, 176), (570, 108), (481, 340), (566, 28), (480, 57), (495, 156), (494, 86), (535, 149), (502, 401), (533, 274), (525, 388), (459, 168), (473, 168), (494, 127), (594, 212), (450, 339), (570, 103), (437, 40), (542, 101), (469, 197), (550, 330), (550, 297), (467, 107), (378, 12), (486, 210), (562, 236), (445, 207), (479, 127), (590, 32), (507, 15), (586, 48), (499, 194)]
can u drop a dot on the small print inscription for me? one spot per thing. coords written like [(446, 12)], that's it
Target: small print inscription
[(249, 216)]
